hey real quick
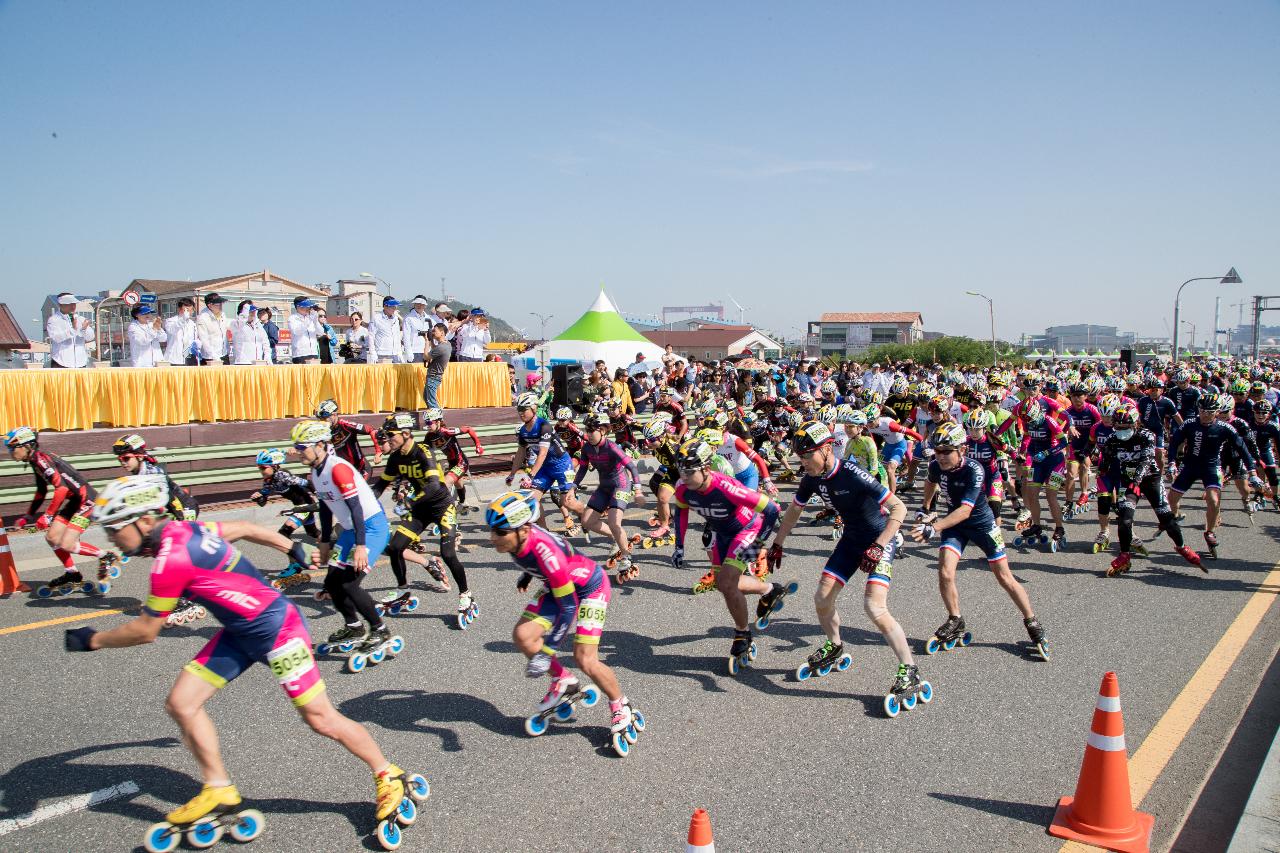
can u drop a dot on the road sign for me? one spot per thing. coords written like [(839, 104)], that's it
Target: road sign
[(130, 297), (148, 298)]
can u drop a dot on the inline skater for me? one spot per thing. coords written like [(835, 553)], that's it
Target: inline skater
[(1267, 434), (576, 595), (619, 485), (871, 516), (346, 438), (445, 440), (894, 446), (432, 505), (748, 467), (571, 437), (1082, 417), (1042, 453), (621, 425), (661, 440), (1129, 459), (985, 452), (968, 520), (197, 560), (1233, 464), (1204, 439), (1158, 415), (347, 499), (69, 514), (541, 456), (739, 520), (670, 405), (277, 481)]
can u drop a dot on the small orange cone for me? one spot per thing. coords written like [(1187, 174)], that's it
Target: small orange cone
[(9, 580), (700, 840), (1101, 813)]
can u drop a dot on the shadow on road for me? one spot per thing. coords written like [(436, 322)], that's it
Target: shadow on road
[(417, 711), (1035, 814)]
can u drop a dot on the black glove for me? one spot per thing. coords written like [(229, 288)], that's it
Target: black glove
[(522, 585), (77, 639), (774, 557), (872, 557)]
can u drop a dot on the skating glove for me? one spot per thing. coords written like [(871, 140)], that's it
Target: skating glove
[(479, 450), (677, 558), (21, 522), (43, 522), (872, 557), (1040, 456), (77, 639), (774, 559), (522, 584), (538, 665), (923, 533), (920, 515)]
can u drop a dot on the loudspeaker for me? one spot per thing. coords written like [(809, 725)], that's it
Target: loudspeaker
[(566, 385), (1126, 355)]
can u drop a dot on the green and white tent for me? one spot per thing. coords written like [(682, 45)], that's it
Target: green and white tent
[(601, 333)]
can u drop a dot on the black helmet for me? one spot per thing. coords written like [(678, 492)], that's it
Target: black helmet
[(1210, 402), (810, 436)]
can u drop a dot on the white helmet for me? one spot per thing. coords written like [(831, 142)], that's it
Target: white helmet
[(528, 400), (126, 499)]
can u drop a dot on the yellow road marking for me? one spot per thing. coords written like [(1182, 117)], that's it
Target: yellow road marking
[(45, 623), (1150, 759)]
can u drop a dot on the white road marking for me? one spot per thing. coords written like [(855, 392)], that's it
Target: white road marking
[(66, 807)]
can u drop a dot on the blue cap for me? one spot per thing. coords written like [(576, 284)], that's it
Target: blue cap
[(145, 309), (477, 312), (306, 303), (390, 301)]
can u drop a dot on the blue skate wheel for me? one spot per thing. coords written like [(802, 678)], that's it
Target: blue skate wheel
[(909, 701), (535, 725), (735, 665), (462, 621), (412, 604), (475, 609), (803, 672), (378, 655), (248, 826), (323, 649), (926, 692), (418, 787), (620, 745), (44, 592), (950, 644), (66, 589), (124, 558), (564, 712), (639, 720), (751, 652), (346, 647), (204, 833), (389, 835), (89, 587), (762, 622), (396, 646), (1053, 546), (407, 812), (931, 647), (357, 663), (114, 572), (846, 661), (102, 587), (161, 838), (631, 734), (891, 706), (394, 609), (967, 638), (824, 670), (590, 696)]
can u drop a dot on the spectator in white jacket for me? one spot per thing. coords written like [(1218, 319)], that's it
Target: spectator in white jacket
[(211, 331), (69, 334), (416, 324), (303, 332), (249, 342), (473, 336), (145, 334), (180, 331), (386, 334)]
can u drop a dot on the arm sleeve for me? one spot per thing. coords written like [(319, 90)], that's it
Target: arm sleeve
[(326, 522), (64, 331), (560, 582)]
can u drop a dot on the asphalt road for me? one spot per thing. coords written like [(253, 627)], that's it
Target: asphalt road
[(778, 764)]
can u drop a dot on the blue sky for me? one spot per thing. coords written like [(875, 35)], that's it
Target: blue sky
[(1075, 162)]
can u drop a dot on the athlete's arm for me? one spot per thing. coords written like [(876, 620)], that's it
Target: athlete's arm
[(750, 453), (141, 629), (234, 531), (789, 520), (894, 426)]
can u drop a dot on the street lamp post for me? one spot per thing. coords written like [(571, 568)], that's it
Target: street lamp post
[(1192, 347), (1232, 277), (542, 342), (375, 278), (991, 311)]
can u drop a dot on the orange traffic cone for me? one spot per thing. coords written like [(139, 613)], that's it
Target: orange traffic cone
[(9, 580), (700, 840), (1101, 813)]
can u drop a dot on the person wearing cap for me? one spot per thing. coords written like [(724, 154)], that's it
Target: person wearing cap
[(211, 331), (145, 334), (416, 325), (386, 334), (68, 334), (473, 336), (180, 332), (437, 363), (304, 332), (249, 343)]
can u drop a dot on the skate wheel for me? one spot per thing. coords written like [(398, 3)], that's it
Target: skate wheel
[(357, 663), (412, 604), (394, 610), (751, 652), (378, 655), (204, 833), (967, 638), (1043, 651), (323, 649), (201, 612), (762, 622), (631, 734), (407, 812), (620, 744), (395, 646), (389, 835), (418, 787), (536, 725), (734, 665), (90, 587), (949, 644), (846, 661), (114, 572), (803, 672), (564, 712), (891, 706), (590, 696), (47, 592), (926, 692), (102, 587), (462, 621), (638, 722), (909, 701), (1053, 546), (347, 647), (161, 838), (248, 826), (824, 670)]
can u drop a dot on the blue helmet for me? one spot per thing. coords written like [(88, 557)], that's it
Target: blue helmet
[(20, 436), (512, 510), (271, 457)]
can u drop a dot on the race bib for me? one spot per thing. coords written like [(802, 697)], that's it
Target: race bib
[(997, 536), (591, 615), (291, 661)]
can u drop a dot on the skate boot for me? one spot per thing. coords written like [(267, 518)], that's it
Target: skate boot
[(378, 645), (292, 576), (561, 687), (342, 640), (1139, 550), (468, 610), (625, 729), (1120, 564), (396, 602), (1039, 645), (837, 530), (905, 690), (622, 715), (627, 569), (1101, 542), (829, 655), (742, 652), (1193, 558), (204, 819), (183, 612), (1211, 540), (398, 796), (1030, 535), (771, 602), (1059, 540), (64, 584), (950, 634), (705, 583), (109, 566), (1023, 520)]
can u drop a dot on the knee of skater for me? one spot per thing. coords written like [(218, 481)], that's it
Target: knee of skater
[(325, 724), (179, 712), (875, 610)]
